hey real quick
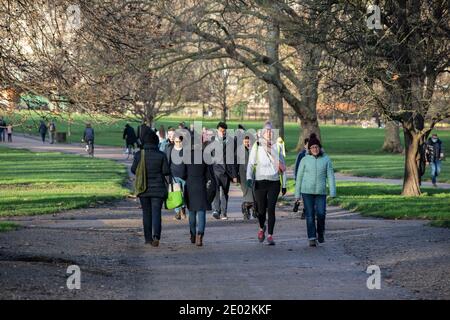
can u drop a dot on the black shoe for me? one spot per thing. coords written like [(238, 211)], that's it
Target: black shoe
[(216, 215), (303, 215), (321, 239), (312, 243), (192, 239)]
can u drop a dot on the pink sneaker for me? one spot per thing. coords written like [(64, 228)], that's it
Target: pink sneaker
[(270, 240), (261, 234)]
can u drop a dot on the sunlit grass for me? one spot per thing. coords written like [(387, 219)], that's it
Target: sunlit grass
[(42, 183), (384, 200)]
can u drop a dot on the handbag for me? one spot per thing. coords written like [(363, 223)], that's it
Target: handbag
[(174, 198), (140, 184)]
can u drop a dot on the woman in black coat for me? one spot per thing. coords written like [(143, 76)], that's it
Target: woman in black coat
[(153, 198), (196, 196), (129, 135)]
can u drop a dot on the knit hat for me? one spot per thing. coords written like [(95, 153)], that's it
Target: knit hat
[(268, 125), (313, 141), (151, 138)]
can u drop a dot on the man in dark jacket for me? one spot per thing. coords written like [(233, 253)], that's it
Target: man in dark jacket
[(2, 129), (223, 171), (153, 198), (248, 197), (434, 155), (43, 130), (130, 138)]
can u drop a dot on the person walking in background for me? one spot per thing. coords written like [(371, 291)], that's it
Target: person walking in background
[(299, 158), (52, 130), (129, 135), (196, 195), (266, 172), (142, 131), (169, 141), (9, 130), (434, 156), (315, 169), (177, 170), (161, 133), (88, 138), (43, 130), (2, 129), (247, 193), (152, 199), (224, 172)]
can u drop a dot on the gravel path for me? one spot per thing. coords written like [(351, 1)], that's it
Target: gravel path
[(107, 244)]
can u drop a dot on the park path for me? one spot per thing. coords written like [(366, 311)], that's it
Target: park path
[(106, 243)]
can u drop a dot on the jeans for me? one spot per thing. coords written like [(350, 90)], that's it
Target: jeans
[(52, 137), (266, 196), (197, 222), (220, 203), (182, 183), (315, 205), (435, 169), (151, 212)]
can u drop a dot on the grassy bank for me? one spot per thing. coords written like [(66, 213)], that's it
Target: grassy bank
[(42, 183), (384, 201), (8, 226)]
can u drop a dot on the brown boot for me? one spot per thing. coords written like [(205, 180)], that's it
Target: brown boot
[(199, 240)]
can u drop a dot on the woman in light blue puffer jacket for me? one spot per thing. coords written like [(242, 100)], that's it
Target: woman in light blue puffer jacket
[(311, 183)]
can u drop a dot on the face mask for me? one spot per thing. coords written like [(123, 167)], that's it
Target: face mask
[(434, 140)]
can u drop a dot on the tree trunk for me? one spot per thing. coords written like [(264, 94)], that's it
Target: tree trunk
[(411, 178), (223, 117), (308, 126), (392, 138), (275, 99)]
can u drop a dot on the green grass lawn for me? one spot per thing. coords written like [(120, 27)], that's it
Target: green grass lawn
[(384, 200), (354, 150), (42, 183), (8, 226)]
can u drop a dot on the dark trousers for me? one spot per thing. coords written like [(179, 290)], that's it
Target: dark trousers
[(151, 212), (9, 137), (43, 136), (315, 205), (2, 136), (220, 203), (266, 196)]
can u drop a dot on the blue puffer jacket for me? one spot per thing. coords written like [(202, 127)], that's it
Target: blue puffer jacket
[(313, 174)]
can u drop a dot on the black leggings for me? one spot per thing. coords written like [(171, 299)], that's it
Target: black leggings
[(266, 196)]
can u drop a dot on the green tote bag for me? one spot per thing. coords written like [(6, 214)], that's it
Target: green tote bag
[(140, 184), (174, 198)]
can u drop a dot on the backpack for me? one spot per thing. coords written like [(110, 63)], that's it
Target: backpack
[(140, 184)]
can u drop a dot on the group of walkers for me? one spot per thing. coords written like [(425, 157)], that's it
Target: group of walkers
[(6, 130), (262, 177), (49, 128)]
